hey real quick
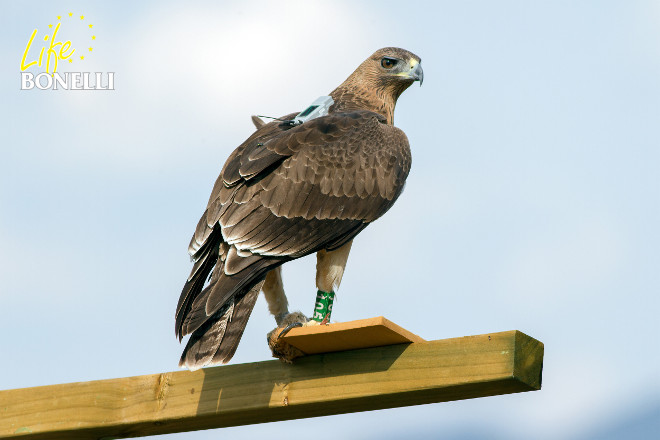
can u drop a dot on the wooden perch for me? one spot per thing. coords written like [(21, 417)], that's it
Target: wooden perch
[(318, 385), (352, 335)]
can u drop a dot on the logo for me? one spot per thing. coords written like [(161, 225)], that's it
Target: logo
[(55, 54)]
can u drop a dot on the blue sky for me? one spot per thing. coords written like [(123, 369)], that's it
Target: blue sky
[(533, 202)]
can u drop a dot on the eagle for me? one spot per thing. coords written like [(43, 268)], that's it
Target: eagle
[(290, 190)]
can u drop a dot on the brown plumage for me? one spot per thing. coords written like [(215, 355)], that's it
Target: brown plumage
[(287, 192)]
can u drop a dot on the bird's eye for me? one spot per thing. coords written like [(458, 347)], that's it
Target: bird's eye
[(388, 63)]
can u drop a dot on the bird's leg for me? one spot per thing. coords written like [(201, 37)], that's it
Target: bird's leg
[(330, 267), (278, 305), (329, 271), (273, 289)]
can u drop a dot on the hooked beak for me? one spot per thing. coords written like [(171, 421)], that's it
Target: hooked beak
[(416, 73)]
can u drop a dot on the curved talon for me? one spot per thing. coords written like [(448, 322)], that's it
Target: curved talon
[(288, 328)]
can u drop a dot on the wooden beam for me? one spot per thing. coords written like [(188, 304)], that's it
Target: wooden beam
[(319, 385)]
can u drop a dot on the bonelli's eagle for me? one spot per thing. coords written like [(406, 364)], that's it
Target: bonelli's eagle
[(290, 190)]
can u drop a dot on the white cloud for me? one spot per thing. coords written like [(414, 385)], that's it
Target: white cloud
[(188, 79)]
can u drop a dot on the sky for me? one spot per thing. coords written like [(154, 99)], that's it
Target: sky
[(533, 202)]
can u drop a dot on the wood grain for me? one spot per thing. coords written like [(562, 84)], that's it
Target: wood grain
[(318, 385), (351, 335)]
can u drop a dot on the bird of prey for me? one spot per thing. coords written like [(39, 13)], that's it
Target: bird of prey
[(290, 190)]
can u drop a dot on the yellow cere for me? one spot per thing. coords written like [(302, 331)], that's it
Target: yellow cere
[(413, 63)]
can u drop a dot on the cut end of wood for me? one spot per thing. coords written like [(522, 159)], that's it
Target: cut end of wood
[(528, 360), (352, 335)]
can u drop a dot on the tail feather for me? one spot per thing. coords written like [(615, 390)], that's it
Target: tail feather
[(222, 290), (216, 315), (190, 291), (203, 343), (207, 258), (216, 341), (235, 329), (236, 326)]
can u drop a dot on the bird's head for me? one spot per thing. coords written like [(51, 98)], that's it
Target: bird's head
[(379, 81), (395, 68)]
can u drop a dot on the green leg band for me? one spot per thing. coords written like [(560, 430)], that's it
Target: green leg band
[(323, 306)]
